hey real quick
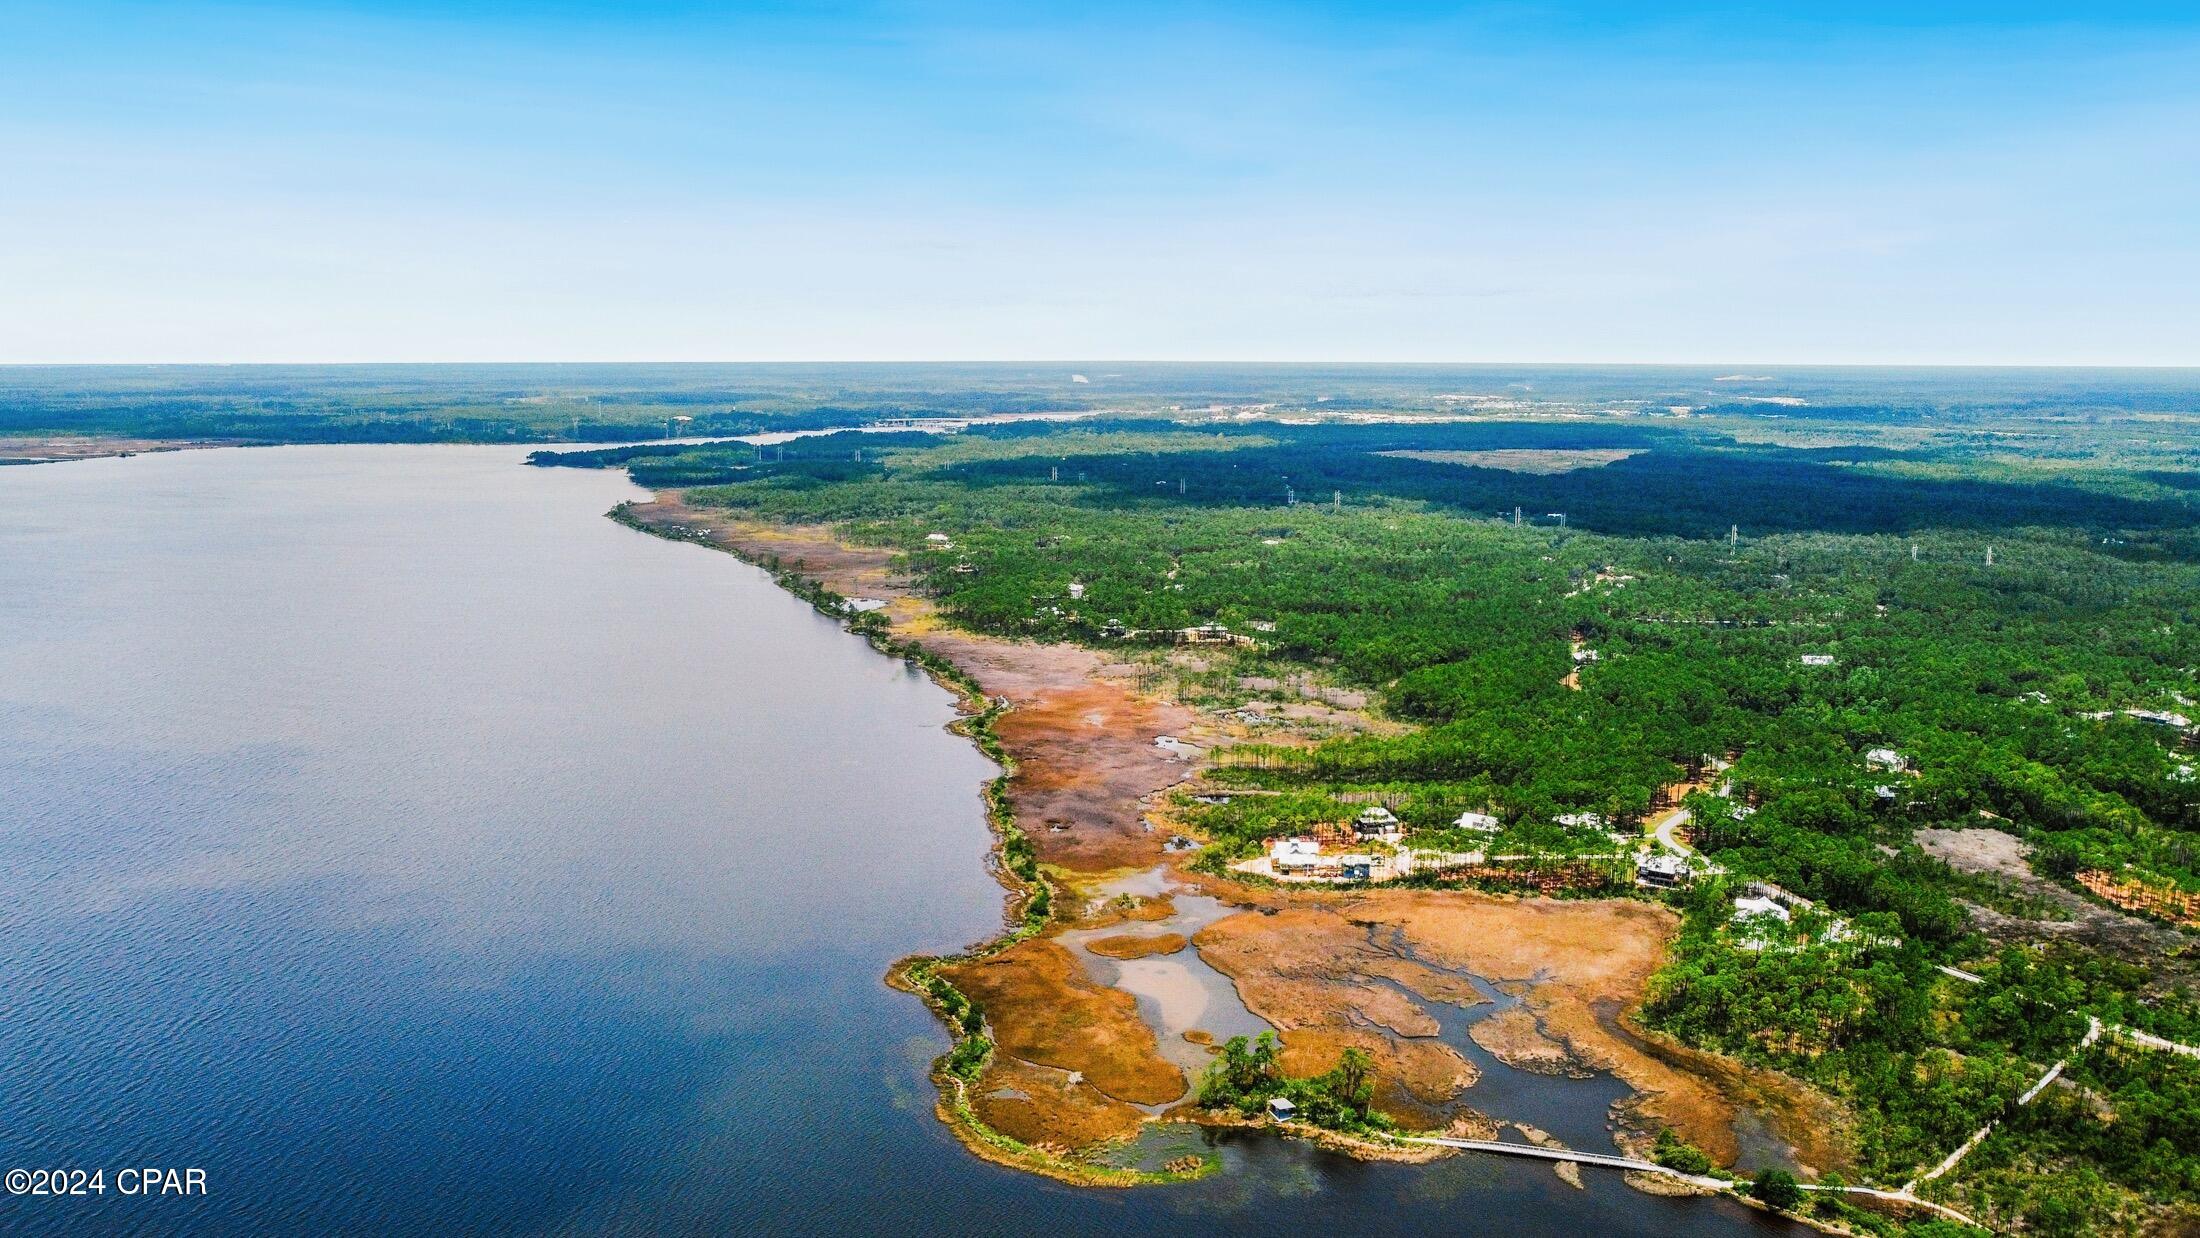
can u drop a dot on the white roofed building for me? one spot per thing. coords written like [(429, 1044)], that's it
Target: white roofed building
[(1479, 822)]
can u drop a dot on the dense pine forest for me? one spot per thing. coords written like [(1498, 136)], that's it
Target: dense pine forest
[(1844, 638)]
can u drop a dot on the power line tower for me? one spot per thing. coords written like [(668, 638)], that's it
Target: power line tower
[(1336, 502), (1733, 538), (1180, 487), (1290, 497), (1055, 473), (1516, 515), (1989, 556), (1913, 552)]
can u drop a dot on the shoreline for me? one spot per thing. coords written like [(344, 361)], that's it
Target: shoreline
[(23, 449), (1095, 856), (1027, 905)]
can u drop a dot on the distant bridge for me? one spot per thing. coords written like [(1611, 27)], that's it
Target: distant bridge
[(1904, 1197)]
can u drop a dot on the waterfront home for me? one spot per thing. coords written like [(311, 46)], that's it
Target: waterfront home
[(1582, 820), (1281, 1109), (2159, 717), (1886, 759), (1662, 872), (1376, 821), (1356, 867), (1294, 856), (1479, 822)]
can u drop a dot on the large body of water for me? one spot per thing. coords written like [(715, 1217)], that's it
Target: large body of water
[(389, 835)]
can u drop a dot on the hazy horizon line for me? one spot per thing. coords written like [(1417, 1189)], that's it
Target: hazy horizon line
[(1759, 363)]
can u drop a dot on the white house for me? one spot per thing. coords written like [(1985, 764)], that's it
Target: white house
[(1281, 1109), (1294, 855), (1818, 659), (1582, 820), (1479, 822), (1755, 907), (1376, 821), (940, 540), (1356, 867), (1663, 871), (1886, 759), (1587, 655), (2160, 717)]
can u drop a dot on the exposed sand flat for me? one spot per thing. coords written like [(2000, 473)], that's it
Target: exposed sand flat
[(46, 448)]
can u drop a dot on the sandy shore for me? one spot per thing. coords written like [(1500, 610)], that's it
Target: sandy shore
[(47, 448), (1079, 1063)]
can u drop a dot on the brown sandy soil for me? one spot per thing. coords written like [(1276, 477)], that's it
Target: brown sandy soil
[(40, 449), (1128, 946), (1042, 1008), (1043, 1106), (2103, 928)]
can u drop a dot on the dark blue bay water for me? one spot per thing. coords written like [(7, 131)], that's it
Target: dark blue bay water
[(411, 849)]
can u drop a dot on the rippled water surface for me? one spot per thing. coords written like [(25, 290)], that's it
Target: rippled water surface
[(414, 850)]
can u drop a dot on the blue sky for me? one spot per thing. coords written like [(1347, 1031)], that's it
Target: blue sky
[(1501, 182)]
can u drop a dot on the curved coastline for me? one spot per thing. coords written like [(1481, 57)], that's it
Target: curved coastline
[(1030, 897), (1027, 904)]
